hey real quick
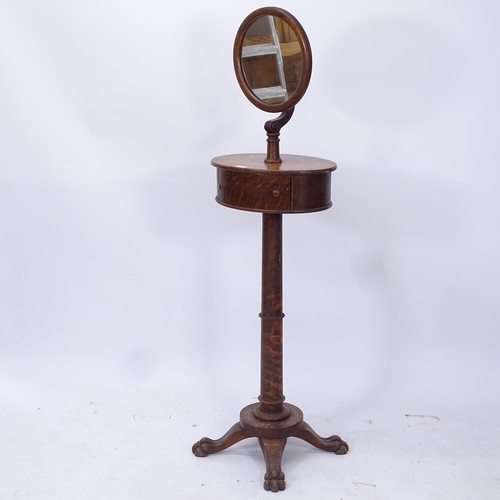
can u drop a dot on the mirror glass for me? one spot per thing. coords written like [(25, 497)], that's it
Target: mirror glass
[(271, 59)]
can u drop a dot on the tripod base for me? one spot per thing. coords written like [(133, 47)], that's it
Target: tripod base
[(272, 436)]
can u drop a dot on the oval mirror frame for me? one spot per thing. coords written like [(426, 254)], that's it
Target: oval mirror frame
[(306, 53)]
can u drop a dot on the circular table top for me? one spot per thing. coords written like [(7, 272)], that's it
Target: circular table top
[(254, 162)]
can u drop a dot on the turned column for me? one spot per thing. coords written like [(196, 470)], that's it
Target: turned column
[(271, 397)]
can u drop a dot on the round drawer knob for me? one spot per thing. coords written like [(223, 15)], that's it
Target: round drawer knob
[(276, 193)]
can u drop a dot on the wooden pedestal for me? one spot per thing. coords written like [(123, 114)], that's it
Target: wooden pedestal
[(299, 184)]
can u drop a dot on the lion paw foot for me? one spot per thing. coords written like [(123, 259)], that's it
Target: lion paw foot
[(202, 447), (336, 445), (274, 481)]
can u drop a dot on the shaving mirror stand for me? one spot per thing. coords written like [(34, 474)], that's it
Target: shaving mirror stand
[(272, 185)]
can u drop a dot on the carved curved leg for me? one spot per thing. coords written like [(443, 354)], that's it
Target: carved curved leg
[(274, 479), (332, 443), (207, 446)]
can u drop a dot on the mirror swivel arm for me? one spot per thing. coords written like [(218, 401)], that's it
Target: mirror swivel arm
[(273, 128)]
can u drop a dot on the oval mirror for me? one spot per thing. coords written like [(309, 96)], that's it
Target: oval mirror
[(272, 59)]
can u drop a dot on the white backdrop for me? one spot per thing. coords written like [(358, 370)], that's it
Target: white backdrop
[(129, 298)]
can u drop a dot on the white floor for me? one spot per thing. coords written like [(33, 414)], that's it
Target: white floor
[(81, 430)]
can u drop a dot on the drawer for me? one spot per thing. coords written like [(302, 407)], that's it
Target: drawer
[(299, 184), (259, 192)]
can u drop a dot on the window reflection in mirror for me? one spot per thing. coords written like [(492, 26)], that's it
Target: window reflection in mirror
[(271, 59)]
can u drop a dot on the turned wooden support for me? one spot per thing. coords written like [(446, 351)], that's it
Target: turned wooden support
[(273, 129), (271, 379), (296, 185)]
